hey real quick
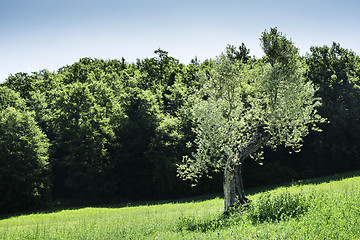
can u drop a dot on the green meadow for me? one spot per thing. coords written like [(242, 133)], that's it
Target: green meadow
[(324, 208)]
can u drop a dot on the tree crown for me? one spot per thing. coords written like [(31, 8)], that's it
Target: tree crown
[(237, 100)]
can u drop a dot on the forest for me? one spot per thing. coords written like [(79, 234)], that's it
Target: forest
[(104, 131)]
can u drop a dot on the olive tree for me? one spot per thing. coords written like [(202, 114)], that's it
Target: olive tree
[(240, 108)]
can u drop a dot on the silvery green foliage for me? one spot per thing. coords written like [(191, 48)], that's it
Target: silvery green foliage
[(237, 99)]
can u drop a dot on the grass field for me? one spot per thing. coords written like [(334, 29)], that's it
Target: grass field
[(326, 208)]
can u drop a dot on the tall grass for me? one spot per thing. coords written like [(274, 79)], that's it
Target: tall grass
[(327, 210)]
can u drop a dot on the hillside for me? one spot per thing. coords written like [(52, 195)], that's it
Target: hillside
[(323, 208)]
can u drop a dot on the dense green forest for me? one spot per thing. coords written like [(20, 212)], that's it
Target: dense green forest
[(101, 131)]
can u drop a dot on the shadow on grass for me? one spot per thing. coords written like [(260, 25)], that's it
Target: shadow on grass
[(62, 205), (318, 180), (210, 223), (268, 208), (221, 221)]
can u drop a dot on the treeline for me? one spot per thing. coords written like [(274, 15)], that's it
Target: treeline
[(109, 131)]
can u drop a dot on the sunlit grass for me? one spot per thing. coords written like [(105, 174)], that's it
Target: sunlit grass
[(331, 210)]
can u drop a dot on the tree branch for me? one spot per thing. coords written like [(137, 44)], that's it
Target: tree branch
[(259, 138)]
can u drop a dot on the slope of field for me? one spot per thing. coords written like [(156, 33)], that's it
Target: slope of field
[(317, 209)]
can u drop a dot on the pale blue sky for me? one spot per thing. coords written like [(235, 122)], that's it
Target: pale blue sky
[(49, 34)]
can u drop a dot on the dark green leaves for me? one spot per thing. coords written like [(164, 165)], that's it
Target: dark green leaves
[(24, 179), (277, 48)]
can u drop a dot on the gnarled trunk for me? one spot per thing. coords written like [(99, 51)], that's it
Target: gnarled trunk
[(233, 186), (233, 183), (229, 185), (240, 191)]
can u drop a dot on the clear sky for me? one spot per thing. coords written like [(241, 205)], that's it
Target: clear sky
[(49, 34)]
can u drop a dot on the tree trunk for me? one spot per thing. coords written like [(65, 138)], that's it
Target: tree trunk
[(240, 192), (233, 187), (233, 183), (229, 186)]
